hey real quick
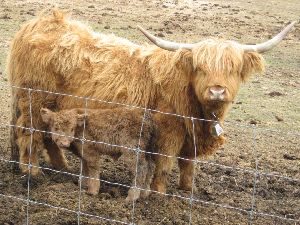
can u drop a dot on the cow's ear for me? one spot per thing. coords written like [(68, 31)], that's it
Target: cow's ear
[(80, 119), (187, 57), (183, 59), (253, 63), (46, 115)]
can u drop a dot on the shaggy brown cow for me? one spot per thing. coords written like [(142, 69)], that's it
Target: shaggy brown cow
[(118, 126), (58, 54)]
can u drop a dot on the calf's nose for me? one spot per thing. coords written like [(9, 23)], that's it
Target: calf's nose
[(64, 143)]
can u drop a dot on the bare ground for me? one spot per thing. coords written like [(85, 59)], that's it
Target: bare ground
[(262, 127)]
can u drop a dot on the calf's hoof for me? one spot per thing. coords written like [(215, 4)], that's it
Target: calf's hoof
[(84, 182), (133, 195), (92, 192)]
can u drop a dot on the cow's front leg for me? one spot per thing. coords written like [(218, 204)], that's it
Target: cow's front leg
[(186, 173), (164, 166), (170, 139), (29, 144), (29, 141), (186, 166), (29, 147)]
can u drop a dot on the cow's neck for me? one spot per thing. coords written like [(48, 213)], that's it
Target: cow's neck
[(216, 111), (206, 142)]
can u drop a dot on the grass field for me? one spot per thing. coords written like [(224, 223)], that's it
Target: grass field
[(262, 129)]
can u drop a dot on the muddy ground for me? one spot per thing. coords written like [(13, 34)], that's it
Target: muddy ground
[(262, 129)]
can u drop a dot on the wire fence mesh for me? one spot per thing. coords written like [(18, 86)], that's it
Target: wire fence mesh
[(256, 172), (192, 198)]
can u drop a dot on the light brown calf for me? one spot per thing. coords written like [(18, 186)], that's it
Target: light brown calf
[(120, 127)]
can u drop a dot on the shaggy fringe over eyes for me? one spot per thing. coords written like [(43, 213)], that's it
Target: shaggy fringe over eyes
[(218, 57)]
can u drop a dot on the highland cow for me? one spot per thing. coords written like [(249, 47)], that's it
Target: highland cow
[(113, 132), (199, 80)]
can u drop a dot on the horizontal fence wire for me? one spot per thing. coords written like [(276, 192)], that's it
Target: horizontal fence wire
[(153, 191), (195, 161), (240, 169), (293, 133)]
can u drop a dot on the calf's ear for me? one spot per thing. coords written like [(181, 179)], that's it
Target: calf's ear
[(80, 119), (253, 63), (46, 115)]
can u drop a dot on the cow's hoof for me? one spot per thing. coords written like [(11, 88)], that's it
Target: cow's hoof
[(29, 180), (187, 187), (145, 194), (15, 168), (161, 188), (35, 171)]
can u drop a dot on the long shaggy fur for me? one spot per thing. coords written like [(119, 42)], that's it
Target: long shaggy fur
[(58, 54)]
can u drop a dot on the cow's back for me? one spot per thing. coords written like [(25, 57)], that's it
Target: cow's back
[(57, 54)]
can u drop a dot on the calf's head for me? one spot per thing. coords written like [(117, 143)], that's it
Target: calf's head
[(62, 125), (218, 67)]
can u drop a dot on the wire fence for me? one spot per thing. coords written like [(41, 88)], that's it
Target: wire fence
[(256, 172), (192, 199)]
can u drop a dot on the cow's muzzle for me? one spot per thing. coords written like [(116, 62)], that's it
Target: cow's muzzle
[(217, 93)]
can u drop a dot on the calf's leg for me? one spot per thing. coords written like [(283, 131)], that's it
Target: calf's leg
[(149, 176), (56, 155), (84, 180), (93, 184), (93, 173), (139, 179)]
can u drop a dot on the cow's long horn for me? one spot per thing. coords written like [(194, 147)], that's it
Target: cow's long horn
[(268, 45), (168, 45)]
